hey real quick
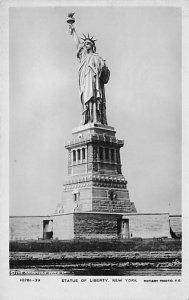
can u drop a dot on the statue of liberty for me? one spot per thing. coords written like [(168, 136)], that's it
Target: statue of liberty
[(93, 74)]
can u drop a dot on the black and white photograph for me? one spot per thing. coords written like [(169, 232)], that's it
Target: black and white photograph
[(95, 149)]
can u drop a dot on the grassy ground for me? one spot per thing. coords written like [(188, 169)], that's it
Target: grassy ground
[(98, 263), (97, 257)]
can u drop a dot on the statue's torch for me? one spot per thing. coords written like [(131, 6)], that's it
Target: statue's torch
[(70, 20)]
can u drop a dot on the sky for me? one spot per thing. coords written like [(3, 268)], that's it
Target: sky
[(142, 48)]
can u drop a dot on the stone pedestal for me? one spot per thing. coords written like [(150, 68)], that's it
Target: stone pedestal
[(95, 182)]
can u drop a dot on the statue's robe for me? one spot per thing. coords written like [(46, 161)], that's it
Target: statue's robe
[(92, 73)]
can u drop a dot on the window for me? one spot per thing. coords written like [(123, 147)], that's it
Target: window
[(112, 154), (76, 195), (83, 153), (74, 156), (78, 154), (112, 195), (106, 153), (101, 153)]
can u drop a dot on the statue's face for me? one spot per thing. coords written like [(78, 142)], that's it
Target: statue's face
[(88, 46)]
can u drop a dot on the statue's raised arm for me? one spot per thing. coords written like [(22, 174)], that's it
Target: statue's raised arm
[(74, 34), (71, 21), (93, 74)]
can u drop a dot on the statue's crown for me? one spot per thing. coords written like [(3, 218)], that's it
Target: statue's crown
[(88, 38)]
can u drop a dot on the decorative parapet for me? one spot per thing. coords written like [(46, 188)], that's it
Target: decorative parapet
[(102, 139), (96, 180)]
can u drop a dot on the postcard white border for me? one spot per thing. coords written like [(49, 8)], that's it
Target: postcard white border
[(51, 287)]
